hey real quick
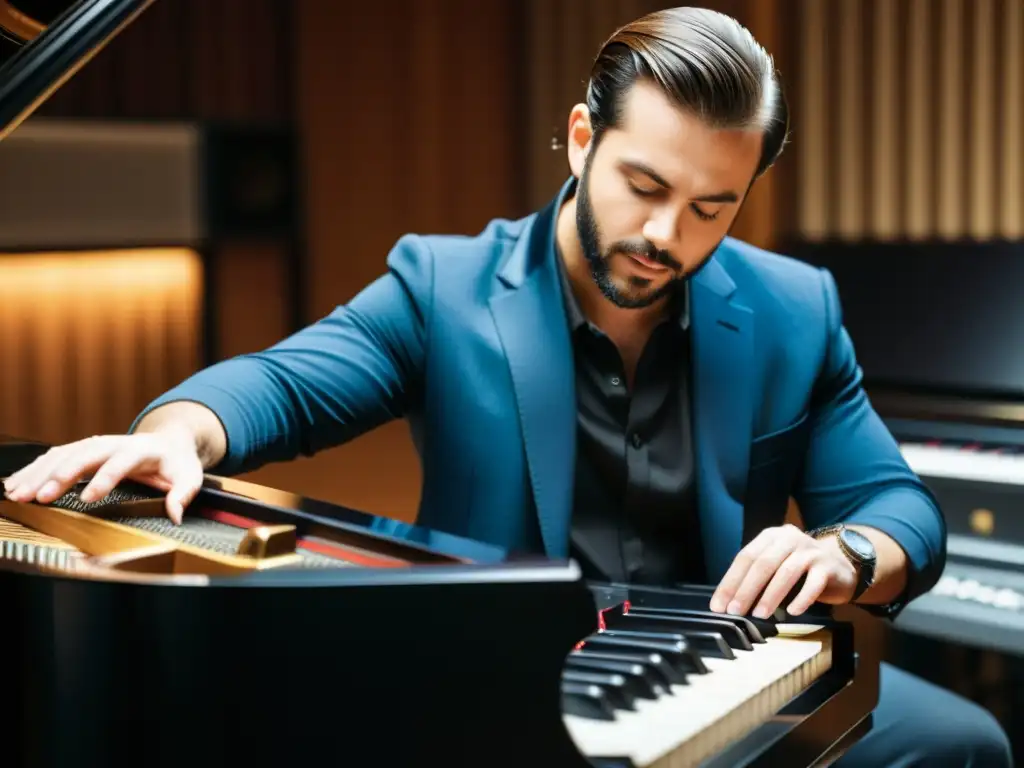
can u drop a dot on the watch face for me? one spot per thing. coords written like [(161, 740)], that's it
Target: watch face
[(859, 544)]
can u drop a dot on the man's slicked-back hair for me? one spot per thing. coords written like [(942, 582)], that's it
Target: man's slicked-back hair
[(704, 61)]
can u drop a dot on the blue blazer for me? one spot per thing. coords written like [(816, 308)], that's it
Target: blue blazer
[(467, 339)]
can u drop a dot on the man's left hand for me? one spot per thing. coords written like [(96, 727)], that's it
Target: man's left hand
[(773, 563)]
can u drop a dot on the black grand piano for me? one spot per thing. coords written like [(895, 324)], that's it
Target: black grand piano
[(271, 629)]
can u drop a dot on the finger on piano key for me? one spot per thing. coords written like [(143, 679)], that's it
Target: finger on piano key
[(697, 597)]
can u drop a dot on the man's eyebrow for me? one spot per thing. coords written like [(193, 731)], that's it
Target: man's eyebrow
[(718, 197), (646, 170), (728, 196)]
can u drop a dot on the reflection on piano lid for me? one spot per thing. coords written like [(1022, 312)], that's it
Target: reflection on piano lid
[(263, 602), (44, 42)]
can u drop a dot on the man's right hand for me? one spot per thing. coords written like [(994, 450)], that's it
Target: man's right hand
[(165, 458)]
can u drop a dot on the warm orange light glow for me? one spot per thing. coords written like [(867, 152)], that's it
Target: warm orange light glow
[(89, 338), (156, 270)]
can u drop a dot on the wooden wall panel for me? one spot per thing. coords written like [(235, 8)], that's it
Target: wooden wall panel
[(411, 117), (251, 297), (190, 59), (910, 119)]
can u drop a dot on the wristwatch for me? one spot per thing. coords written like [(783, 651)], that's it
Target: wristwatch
[(858, 550)]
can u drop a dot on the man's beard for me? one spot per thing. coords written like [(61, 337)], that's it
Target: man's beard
[(638, 294)]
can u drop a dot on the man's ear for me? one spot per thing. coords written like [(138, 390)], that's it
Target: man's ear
[(579, 138)]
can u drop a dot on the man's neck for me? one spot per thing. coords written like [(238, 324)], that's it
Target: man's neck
[(614, 320)]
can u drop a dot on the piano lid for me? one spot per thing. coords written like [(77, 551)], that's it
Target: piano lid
[(44, 42)]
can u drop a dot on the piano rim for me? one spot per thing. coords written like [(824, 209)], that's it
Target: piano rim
[(19, 23), (311, 578)]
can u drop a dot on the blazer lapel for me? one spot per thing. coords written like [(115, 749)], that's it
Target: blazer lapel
[(723, 348), (530, 319)]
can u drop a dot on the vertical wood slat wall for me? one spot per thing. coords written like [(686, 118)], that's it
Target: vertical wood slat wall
[(190, 60), (910, 119)]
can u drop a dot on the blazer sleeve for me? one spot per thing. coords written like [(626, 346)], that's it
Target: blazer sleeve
[(854, 471), (354, 370)]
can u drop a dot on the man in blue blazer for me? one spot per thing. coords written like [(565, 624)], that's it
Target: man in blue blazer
[(611, 378)]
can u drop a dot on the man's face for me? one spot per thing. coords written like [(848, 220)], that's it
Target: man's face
[(657, 196)]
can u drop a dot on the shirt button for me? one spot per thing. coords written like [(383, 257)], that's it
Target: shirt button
[(637, 442), (616, 381)]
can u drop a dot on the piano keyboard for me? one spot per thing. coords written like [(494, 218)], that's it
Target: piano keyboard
[(664, 688), (974, 605), (965, 462), (979, 601)]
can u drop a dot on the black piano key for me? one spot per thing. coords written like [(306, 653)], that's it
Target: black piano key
[(689, 600), (638, 682), (615, 687), (750, 627), (698, 597), (656, 669), (710, 644), (680, 658), (642, 622), (767, 627), (588, 701)]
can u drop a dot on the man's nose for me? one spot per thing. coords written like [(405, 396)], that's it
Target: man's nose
[(663, 230)]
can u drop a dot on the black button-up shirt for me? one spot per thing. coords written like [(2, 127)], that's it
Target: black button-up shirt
[(635, 511)]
